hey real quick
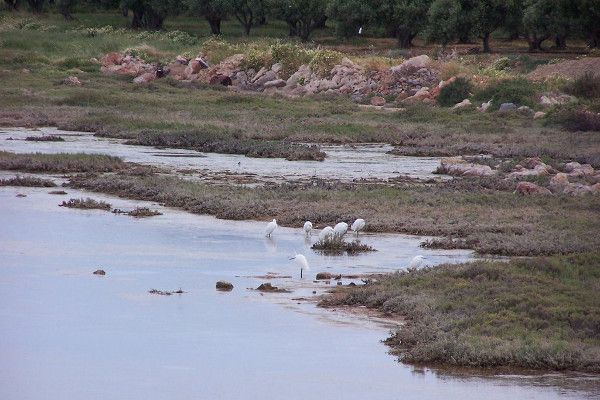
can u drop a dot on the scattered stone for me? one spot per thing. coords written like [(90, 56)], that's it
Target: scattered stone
[(57, 192), (578, 189), (99, 272), (527, 188), (21, 195), (314, 292), (377, 101), (352, 284), (539, 114), (165, 293), (145, 78), (71, 81), (576, 169), (323, 276), (553, 99), (339, 283), (525, 110), (484, 106), (414, 63), (462, 104), (224, 286), (267, 287), (219, 79), (507, 107)]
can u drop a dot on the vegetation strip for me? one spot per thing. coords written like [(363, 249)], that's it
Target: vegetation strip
[(541, 313)]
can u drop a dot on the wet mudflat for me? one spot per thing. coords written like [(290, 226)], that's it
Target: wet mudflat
[(70, 334), (345, 163)]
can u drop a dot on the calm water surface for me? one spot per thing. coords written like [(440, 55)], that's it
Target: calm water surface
[(67, 334), (345, 163)]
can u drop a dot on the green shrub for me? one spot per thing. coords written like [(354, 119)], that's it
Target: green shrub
[(586, 86), (290, 56), (324, 60), (455, 92), (518, 91)]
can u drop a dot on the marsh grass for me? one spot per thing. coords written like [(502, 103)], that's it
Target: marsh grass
[(62, 162), (490, 218), (337, 245), (46, 138), (86, 204), (27, 181), (541, 313)]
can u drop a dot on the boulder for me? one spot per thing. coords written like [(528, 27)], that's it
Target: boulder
[(71, 81), (559, 182), (553, 99), (323, 276), (457, 166), (99, 272), (539, 114), (525, 110), (576, 169), (219, 79), (145, 78), (277, 83), (462, 104), (181, 60), (113, 58), (412, 64), (527, 188), (224, 286), (578, 189), (377, 101), (507, 107), (177, 70)]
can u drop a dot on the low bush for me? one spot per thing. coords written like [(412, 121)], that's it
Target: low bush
[(586, 86), (454, 92), (86, 204), (518, 91)]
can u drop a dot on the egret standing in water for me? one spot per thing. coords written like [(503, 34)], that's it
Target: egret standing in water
[(340, 229), (326, 233), (307, 228), (302, 263), (271, 227), (417, 262), (358, 225)]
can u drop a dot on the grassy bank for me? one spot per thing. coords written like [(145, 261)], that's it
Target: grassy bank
[(487, 220), (541, 313), (61, 163)]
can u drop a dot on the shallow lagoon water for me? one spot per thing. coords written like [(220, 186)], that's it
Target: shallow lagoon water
[(67, 334), (345, 163)]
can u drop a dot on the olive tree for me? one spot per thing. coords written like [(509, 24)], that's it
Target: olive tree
[(214, 11), (302, 16)]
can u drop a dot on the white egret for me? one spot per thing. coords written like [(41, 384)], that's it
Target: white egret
[(340, 229), (307, 228), (302, 263), (326, 233), (417, 262), (271, 227), (358, 225)]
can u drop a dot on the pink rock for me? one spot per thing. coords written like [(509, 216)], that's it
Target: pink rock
[(577, 189), (377, 101), (111, 59), (145, 78), (526, 188), (559, 182), (71, 81)]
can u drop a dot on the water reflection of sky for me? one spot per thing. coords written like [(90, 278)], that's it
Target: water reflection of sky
[(67, 334)]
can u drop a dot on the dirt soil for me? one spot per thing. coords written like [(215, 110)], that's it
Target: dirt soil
[(571, 69)]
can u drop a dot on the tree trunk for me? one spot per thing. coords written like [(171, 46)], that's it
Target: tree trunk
[(486, 43), (37, 6), (320, 22), (594, 42), (404, 39), (293, 28), (12, 4), (215, 25), (138, 15), (535, 42), (561, 42)]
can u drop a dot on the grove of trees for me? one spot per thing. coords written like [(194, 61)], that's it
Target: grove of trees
[(437, 21)]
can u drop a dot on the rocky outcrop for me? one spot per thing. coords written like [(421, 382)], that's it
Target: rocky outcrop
[(100, 272), (324, 276), (457, 166), (526, 188), (409, 81)]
